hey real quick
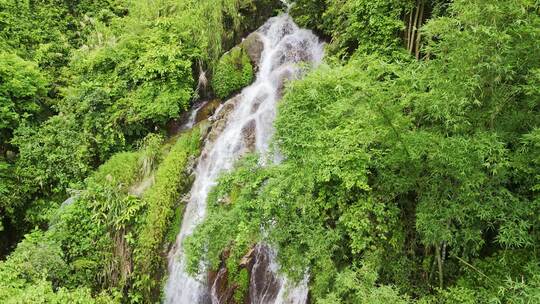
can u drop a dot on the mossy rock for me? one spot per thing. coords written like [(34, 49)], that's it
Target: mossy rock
[(233, 72), (254, 46)]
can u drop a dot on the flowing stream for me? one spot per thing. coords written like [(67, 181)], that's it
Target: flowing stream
[(245, 124)]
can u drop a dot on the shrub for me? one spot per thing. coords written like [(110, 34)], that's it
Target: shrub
[(171, 180), (233, 72)]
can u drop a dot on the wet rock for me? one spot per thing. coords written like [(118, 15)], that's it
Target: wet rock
[(174, 126), (287, 29), (221, 291), (207, 110), (187, 119), (263, 285), (285, 76), (248, 134), (258, 100), (293, 51), (253, 45), (221, 117), (204, 127), (255, 107), (247, 259)]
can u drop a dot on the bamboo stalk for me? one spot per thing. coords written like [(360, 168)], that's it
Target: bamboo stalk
[(419, 24), (440, 265), (409, 29), (414, 26)]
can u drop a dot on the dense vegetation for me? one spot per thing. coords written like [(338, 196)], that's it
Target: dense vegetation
[(411, 167), (403, 180), (83, 84), (233, 72)]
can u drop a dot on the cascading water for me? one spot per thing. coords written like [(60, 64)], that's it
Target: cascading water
[(249, 127)]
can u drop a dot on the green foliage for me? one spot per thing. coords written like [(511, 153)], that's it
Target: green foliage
[(83, 80), (401, 177), (506, 277), (309, 13), (233, 72), (36, 257), (93, 231), (357, 285), (51, 158), (162, 199), (42, 25), (141, 78), (46, 31), (54, 156), (372, 26), (36, 38), (150, 154), (29, 273), (490, 53), (21, 88), (242, 283), (108, 234), (355, 25)]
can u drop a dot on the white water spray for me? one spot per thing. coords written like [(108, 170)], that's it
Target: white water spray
[(249, 128)]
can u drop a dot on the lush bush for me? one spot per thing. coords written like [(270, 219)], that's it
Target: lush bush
[(163, 200), (355, 25), (22, 89), (36, 38), (365, 26), (92, 230), (53, 157), (233, 72), (31, 271), (112, 240)]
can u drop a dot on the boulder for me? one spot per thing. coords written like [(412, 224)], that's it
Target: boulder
[(207, 110), (284, 76), (254, 46), (248, 134), (219, 121)]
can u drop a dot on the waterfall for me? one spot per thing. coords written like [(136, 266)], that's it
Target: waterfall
[(192, 118), (248, 127)]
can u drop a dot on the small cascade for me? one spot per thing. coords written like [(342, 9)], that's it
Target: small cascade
[(241, 125), (266, 286), (192, 119)]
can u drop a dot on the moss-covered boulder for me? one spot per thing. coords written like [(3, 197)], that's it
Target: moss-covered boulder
[(233, 72)]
